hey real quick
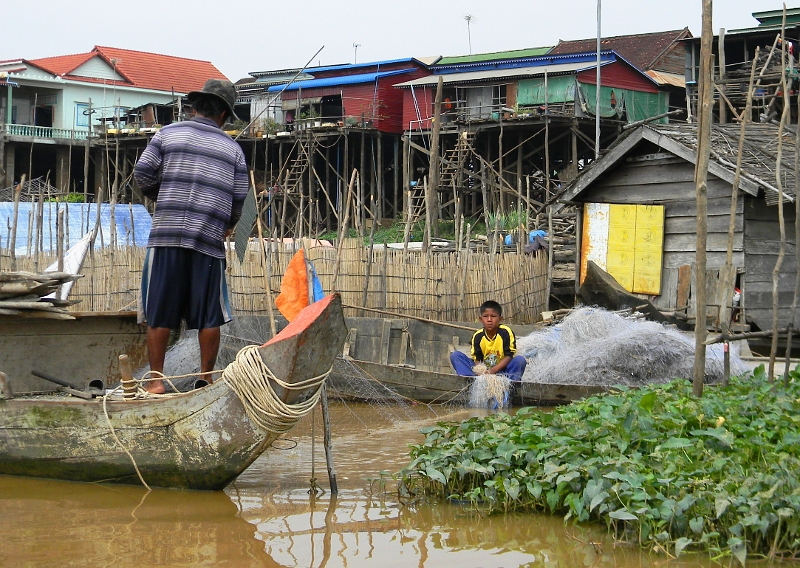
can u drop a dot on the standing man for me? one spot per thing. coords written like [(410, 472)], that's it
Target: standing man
[(198, 177)]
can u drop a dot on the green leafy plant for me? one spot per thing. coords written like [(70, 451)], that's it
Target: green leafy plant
[(510, 221), (656, 465)]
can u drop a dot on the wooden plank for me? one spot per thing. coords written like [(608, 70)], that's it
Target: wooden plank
[(651, 174), (767, 229), (686, 208), (717, 242), (715, 223), (659, 189), (684, 283), (714, 259), (756, 247)]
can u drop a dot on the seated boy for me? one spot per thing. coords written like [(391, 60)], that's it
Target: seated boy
[(494, 346)]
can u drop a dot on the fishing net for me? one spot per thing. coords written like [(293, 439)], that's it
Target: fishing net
[(183, 357), (592, 346), (492, 391)]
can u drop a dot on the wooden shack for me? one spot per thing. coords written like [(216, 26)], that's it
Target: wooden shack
[(638, 216)]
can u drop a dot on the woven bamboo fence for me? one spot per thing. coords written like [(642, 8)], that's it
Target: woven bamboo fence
[(445, 286)]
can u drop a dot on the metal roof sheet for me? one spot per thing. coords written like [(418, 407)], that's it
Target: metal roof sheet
[(359, 65), (476, 76), (663, 78), (494, 56), (339, 81)]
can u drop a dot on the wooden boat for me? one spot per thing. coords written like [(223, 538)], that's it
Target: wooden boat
[(81, 351), (200, 439), (396, 360)]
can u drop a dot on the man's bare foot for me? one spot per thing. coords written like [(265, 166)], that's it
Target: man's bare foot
[(155, 387)]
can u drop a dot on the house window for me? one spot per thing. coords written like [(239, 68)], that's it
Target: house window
[(627, 241), (82, 115)]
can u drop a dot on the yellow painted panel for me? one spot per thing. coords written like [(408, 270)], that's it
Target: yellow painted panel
[(621, 242), (649, 246)]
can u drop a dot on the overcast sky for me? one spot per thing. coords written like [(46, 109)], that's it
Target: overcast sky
[(240, 36)]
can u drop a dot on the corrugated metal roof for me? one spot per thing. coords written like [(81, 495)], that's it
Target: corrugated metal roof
[(359, 65), (476, 76), (666, 78), (495, 55), (523, 62), (339, 81)]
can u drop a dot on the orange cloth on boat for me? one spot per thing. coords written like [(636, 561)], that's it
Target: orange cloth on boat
[(294, 287)]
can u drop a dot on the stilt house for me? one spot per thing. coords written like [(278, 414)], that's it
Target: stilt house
[(638, 216)]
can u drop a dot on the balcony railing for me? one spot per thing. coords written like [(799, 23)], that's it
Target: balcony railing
[(43, 132)]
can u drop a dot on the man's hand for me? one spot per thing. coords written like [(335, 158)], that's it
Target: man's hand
[(228, 233)]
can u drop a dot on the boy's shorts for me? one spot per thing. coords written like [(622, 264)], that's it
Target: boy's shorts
[(183, 284)]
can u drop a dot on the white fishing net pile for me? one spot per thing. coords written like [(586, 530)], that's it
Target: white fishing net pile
[(490, 391), (593, 346)]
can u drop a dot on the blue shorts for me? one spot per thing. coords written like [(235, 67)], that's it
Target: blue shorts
[(183, 284)]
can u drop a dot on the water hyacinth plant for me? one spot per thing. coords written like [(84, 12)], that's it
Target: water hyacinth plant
[(662, 468)]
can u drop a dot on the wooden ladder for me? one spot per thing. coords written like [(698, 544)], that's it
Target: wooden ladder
[(298, 165), (455, 160)]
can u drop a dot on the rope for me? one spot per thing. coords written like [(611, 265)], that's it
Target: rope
[(121, 445), (249, 377)]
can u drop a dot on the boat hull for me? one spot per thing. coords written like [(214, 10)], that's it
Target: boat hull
[(399, 384), (77, 351), (202, 439)]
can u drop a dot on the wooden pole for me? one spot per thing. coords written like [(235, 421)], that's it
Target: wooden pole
[(793, 309), (13, 245), (723, 111), (326, 416), (264, 259), (776, 271), (343, 230), (728, 274), (128, 383), (432, 191), (700, 178)]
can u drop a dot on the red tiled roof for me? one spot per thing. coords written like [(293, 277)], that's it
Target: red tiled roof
[(641, 50), (138, 68), (62, 64)]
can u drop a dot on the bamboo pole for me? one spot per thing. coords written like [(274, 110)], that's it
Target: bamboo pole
[(13, 245), (431, 191), (796, 294), (343, 230), (727, 281), (264, 258), (701, 177), (776, 271)]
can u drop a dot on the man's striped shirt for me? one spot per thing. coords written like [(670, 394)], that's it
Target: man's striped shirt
[(198, 177)]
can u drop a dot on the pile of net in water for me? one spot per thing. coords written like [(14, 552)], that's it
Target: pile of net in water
[(592, 346), (490, 391)]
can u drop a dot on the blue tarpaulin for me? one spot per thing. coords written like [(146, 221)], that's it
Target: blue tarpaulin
[(132, 224)]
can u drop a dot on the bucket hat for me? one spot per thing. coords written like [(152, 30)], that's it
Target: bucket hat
[(223, 90)]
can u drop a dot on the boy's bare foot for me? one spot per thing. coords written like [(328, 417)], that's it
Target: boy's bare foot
[(155, 387)]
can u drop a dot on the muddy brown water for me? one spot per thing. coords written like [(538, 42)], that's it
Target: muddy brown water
[(268, 518)]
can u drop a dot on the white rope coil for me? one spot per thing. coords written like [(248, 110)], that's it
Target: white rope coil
[(249, 377)]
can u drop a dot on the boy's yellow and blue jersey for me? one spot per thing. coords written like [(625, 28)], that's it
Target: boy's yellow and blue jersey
[(490, 351)]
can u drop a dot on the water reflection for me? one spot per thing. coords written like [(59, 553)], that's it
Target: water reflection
[(269, 519), (54, 523)]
